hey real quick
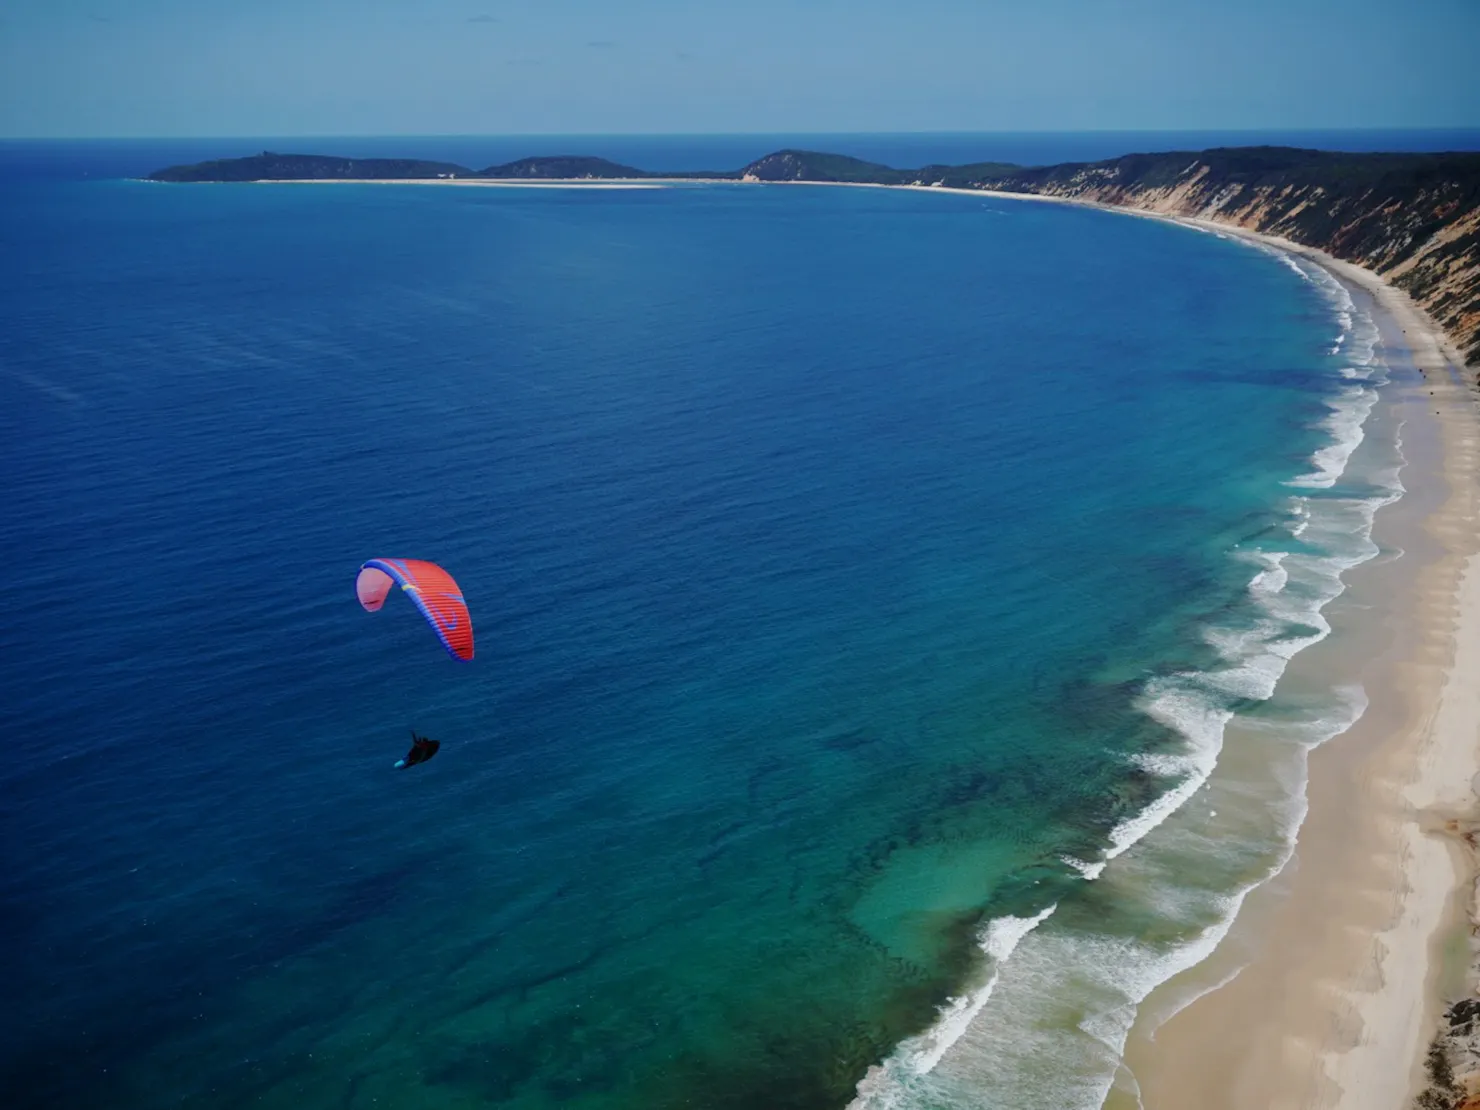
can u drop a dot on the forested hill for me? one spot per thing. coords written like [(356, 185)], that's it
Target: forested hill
[(1413, 218), (561, 167), (268, 166), (809, 165)]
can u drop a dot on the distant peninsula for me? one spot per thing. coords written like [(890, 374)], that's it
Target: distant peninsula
[(1414, 219)]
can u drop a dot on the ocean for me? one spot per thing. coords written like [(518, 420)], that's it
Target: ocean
[(865, 584)]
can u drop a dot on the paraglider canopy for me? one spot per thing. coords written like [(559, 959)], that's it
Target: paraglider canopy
[(435, 592)]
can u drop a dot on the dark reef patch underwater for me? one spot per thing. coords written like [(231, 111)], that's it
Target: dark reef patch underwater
[(826, 549)]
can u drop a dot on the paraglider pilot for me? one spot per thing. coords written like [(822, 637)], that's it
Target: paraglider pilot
[(422, 750)]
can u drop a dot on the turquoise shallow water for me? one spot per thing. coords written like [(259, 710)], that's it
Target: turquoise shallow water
[(828, 551)]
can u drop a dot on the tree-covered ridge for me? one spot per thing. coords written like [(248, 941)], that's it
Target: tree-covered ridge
[(809, 165), (784, 165), (269, 166), (563, 167)]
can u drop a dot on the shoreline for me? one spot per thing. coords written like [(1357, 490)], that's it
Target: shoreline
[(1355, 943)]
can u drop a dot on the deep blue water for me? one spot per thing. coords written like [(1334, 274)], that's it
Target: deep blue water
[(71, 158), (819, 544)]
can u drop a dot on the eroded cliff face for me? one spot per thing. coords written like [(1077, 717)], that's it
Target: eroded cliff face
[(1422, 235)]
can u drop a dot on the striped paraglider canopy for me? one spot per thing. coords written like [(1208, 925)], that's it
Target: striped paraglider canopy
[(435, 592)]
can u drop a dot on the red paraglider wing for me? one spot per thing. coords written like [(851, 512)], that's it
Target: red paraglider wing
[(435, 592)]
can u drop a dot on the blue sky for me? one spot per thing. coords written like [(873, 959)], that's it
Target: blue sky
[(346, 67)]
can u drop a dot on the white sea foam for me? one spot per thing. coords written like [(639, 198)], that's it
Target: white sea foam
[(1358, 332), (1289, 592), (919, 1055), (1185, 709), (1299, 516), (1344, 319), (998, 940), (1272, 579), (1349, 412), (1285, 258), (1088, 870)]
